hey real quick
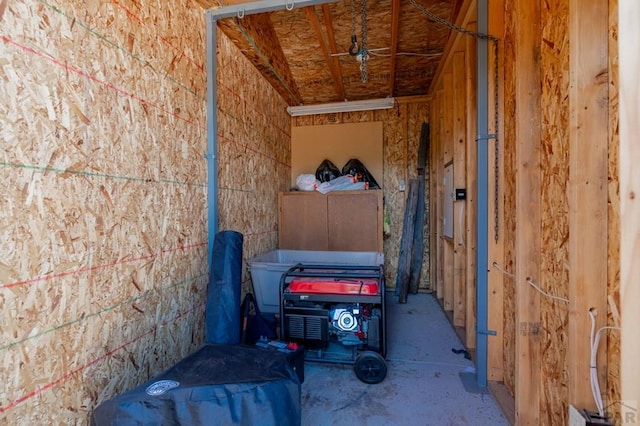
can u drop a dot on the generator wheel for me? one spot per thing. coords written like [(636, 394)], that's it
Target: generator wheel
[(370, 367)]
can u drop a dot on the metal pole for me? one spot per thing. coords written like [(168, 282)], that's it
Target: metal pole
[(483, 198), (212, 139)]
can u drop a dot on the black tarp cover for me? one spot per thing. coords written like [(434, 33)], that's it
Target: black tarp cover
[(222, 313), (216, 385)]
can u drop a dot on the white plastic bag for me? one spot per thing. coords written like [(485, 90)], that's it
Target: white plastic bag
[(342, 183), (307, 182)]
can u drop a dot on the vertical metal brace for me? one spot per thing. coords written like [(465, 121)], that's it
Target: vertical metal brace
[(212, 138), (482, 257)]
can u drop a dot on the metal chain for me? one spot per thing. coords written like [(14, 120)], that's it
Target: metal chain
[(363, 44), (496, 98), (432, 16), (353, 17), (353, 48)]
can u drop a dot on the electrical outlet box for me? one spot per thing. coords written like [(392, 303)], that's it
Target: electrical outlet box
[(580, 417), (461, 193)]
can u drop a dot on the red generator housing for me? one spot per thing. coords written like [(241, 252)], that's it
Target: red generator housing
[(337, 313)]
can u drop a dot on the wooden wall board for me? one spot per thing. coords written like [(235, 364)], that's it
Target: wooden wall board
[(629, 33), (612, 388), (103, 214), (554, 226), (588, 193), (254, 152)]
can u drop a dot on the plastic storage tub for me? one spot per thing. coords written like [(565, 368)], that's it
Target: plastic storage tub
[(267, 270)]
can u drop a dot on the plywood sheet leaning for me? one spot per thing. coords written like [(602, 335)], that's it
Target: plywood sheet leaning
[(104, 264), (554, 231)]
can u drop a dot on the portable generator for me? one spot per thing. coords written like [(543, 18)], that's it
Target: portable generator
[(337, 312)]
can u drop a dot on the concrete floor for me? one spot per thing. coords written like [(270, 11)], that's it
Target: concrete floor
[(426, 384)]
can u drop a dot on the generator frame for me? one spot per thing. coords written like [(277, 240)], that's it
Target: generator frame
[(368, 363)]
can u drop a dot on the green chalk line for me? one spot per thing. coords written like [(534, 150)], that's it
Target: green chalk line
[(96, 174), (106, 40), (109, 309)]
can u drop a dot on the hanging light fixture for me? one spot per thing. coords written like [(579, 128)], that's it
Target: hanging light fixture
[(366, 105)]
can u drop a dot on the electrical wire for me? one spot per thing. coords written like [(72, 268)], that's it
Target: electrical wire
[(594, 341), (532, 284), (460, 225)]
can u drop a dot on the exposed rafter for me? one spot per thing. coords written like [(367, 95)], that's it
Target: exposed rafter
[(395, 25), (334, 69), (333, 48), (257, 39)]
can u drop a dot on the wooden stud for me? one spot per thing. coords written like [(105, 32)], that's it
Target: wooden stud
[(629, 34), (588, 191), (433, 195), (459, 141), (527, 244), (439, 166), (471, 182)]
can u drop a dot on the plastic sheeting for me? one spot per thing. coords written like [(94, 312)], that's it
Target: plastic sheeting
[(216, 385), (225, 287)]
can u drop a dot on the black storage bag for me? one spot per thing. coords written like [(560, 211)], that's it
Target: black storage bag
[(222, 313), (354, 167), (254, 324), (327, 171)]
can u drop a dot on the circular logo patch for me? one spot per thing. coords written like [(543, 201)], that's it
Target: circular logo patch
[(158, 388)]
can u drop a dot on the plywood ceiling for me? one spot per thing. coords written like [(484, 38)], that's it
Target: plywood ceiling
[(303, 53)]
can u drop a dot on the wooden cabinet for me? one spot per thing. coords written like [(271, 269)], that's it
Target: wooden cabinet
[(337, 221)]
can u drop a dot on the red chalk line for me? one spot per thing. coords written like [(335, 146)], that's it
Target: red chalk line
[(94, 79), (248, 148), (93, 268), (230, 90), (91, 363)]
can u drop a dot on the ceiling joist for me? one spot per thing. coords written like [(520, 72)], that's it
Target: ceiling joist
[(395, 25), (333, 49), (334, 69)]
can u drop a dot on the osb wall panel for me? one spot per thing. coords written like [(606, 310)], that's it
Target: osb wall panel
[(401, 139), (254, 150), (612, 391), (510, 170), (554, 233), (103, 215)]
